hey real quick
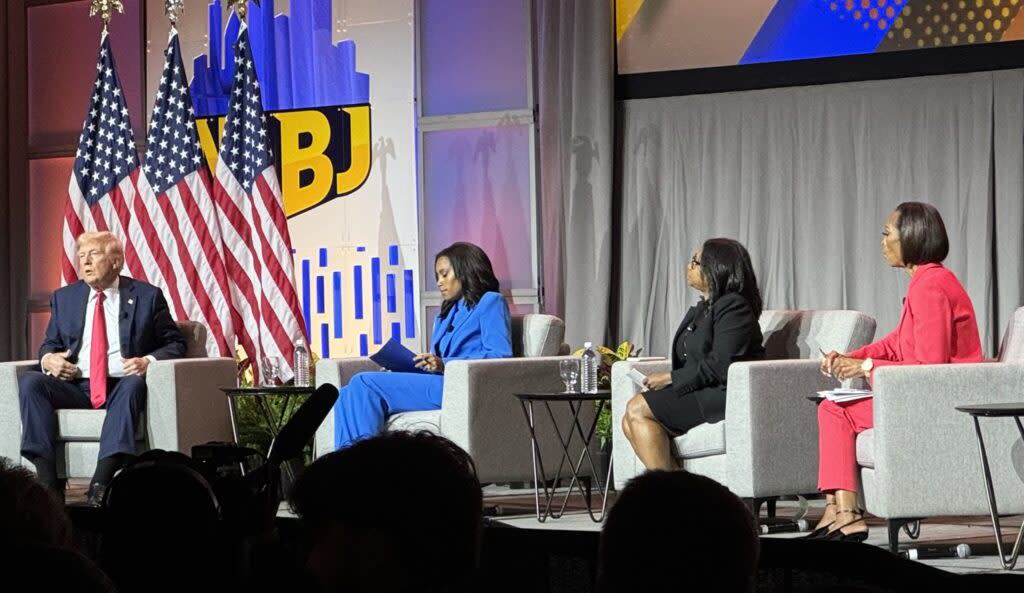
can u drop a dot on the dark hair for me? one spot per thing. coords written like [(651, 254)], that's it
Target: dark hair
[(713, 533), (419, 489), (472, 268), (726, 266), (923, 238), (30, 513)]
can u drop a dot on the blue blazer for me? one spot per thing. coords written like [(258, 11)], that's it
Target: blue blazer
[(146, 327), (481, 331)]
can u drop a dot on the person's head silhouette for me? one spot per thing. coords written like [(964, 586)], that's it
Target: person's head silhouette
[(396, 512), (677, 531), (30, 513)]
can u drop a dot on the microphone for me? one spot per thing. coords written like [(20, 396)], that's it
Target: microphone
[(451, 328), (788, 527), (929, 552)]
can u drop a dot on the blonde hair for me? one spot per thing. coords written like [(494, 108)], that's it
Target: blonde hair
[(111, 244)]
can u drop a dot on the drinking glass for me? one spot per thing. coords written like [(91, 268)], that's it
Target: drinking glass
[(569, 370), (271, 370)]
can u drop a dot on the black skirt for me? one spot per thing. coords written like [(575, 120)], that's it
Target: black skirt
[(680, 412)]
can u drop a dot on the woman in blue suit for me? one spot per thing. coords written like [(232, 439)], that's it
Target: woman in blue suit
[(473, 323)]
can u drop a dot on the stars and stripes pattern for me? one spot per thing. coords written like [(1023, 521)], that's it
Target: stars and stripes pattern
[(102, 186), (174, 215), (257, 246)]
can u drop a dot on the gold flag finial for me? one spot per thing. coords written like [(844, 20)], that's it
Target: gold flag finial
[(173, 9), (241, 6), (105, 8)]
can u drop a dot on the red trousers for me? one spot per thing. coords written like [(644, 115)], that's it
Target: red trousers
[(838, 427)]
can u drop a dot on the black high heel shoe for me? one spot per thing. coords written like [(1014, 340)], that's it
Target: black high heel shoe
[(822, 531), (837, 534)]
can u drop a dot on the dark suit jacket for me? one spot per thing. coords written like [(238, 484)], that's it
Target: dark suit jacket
[(707, 342), (146, 327)]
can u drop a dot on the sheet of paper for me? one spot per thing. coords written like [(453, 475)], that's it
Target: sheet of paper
[(844, 395), (637, 377)]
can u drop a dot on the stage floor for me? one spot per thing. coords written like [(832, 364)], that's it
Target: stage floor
[(518, 511)]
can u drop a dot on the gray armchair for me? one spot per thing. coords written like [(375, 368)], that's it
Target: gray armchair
[(768, 444), (184, 407), (479, 411), (921, 458)]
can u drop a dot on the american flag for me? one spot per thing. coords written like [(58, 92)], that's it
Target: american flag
[(174, 215), (257, 246), (102, 187)]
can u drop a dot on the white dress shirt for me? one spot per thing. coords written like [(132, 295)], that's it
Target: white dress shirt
[(111, 313)]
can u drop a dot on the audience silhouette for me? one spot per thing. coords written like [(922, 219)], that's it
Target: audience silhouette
[(393, 513), (35, 539), (677, 531)]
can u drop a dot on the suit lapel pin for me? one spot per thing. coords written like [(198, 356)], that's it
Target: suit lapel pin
[(131, 301)]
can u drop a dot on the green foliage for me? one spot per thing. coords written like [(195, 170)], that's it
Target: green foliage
[(253, 430), (604, 381)]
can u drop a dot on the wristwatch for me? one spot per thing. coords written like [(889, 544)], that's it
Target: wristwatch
[(866, 366)]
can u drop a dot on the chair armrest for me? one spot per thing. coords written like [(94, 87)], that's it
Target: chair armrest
[(626, 464), (10, 407), (771, 428), (926, 453), (184, 402), (480, 413), (337, 372)]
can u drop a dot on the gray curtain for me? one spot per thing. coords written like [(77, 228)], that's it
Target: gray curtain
[(805, 178), (575, 73)]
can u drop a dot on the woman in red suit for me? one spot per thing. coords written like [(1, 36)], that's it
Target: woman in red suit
[(937, 326)]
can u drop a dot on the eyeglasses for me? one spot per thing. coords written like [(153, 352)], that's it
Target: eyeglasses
[(694, 262)]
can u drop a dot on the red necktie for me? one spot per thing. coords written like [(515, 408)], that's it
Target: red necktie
[(98, 355)]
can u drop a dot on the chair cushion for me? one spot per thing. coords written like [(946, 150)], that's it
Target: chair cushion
[(799, 334), (428, 420), (536, 334), (195, 338), (866, 448), (1012, 348), (702, 441), (85, 425)]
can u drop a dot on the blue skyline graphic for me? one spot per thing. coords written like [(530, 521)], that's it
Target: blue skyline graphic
[(297, 64)]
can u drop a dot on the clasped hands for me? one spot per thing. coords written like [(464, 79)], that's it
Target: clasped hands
[(429, 362), (56, 363), (841, 367)]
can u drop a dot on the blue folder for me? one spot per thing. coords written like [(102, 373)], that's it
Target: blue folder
[(397, 358)]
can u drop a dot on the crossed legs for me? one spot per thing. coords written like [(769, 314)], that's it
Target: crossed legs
[(649, 438)]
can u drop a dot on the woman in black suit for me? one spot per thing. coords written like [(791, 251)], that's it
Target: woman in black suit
[(720, 329)]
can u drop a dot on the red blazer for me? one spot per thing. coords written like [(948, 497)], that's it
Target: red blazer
[(937, 324)]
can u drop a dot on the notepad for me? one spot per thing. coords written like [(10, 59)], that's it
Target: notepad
[(395, 357), (845, 395), (637, 377)]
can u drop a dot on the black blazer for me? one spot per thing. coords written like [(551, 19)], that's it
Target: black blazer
[(709, 339)]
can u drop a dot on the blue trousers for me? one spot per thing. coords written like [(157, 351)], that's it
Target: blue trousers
[(41, 394), (366, 402)]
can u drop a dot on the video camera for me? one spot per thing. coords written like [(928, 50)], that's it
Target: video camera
[(246, 502)]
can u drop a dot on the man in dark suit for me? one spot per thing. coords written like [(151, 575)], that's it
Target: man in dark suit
[(104, 331)]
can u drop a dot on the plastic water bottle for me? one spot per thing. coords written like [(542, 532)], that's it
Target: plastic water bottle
[(301, 366), (588, 369)]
